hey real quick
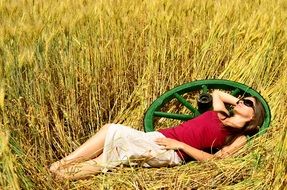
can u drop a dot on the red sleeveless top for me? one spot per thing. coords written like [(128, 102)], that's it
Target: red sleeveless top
[(203, 132)]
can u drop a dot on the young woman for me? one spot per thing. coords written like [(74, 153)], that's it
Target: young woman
[(115, 144)]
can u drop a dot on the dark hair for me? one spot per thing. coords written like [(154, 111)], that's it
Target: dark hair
[(250, 128)]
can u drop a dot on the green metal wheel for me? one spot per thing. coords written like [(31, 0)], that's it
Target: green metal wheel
[(156, 111)]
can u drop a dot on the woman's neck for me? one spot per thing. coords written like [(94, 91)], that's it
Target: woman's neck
[(235, 121)]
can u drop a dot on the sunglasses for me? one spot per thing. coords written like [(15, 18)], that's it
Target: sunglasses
[(246, 102)]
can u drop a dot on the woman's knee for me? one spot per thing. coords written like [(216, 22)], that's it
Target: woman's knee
[(106, 126)]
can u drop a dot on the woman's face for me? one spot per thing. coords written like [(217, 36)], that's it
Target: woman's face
[(245, 108)]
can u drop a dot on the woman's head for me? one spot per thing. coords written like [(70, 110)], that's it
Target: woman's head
[(251, 109)]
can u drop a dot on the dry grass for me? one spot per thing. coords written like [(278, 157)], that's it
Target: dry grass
[(67, 67)]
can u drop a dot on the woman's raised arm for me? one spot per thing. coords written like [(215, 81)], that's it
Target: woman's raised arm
[(219, 98)]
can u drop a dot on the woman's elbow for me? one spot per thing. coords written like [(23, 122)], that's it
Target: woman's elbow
[(206, 158), (215, 93)]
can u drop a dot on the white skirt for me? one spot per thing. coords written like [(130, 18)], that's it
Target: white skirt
[(127, 146)]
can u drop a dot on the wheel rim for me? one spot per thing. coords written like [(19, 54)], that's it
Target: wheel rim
[(236, 89)]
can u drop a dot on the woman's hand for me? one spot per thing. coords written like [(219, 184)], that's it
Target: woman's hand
[(168, 143), (197, 154)]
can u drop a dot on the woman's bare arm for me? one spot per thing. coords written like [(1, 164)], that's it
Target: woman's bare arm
[(200, 155), (173, 144), (232, 148), (219, 98), (223, 153)]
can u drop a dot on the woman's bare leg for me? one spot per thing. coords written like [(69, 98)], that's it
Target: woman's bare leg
[(90, 149), (81, 170)]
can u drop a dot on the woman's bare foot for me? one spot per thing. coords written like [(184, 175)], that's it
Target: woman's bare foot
[(55, 166), (59, 164), (75, 171)]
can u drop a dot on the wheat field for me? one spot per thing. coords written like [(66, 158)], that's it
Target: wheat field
[(68, 67)]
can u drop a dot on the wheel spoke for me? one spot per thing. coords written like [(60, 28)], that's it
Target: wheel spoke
[(186, 104), (204, 89), (235, 92), (173, 115)]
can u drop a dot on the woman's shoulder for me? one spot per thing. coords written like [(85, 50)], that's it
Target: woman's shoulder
[(220, 114), (210, 112), (213, 113)]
